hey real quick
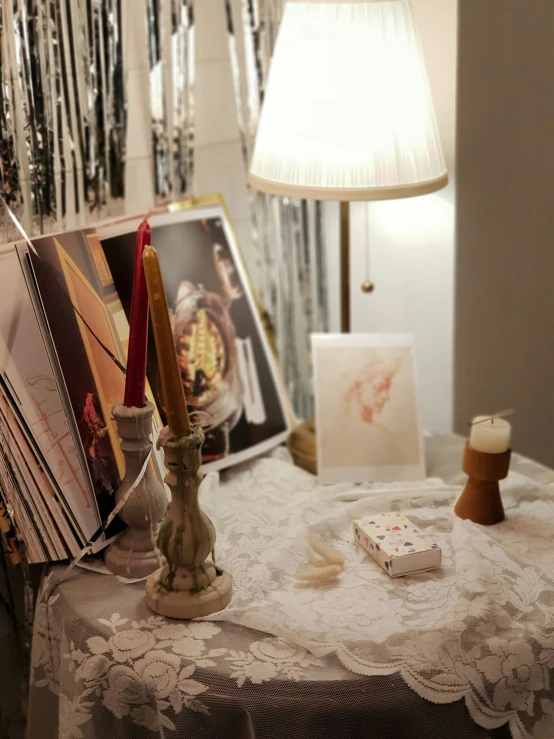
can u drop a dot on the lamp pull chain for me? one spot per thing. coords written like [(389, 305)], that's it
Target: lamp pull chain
[(367, 284)]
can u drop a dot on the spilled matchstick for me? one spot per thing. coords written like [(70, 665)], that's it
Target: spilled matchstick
[(500, 414)]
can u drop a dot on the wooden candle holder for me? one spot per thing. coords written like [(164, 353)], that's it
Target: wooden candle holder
[(480, 500)]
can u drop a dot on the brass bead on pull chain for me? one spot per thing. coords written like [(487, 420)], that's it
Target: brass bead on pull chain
[(368, 286)]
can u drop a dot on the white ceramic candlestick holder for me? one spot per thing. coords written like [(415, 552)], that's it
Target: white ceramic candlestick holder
[(188, 586), (134, 553)]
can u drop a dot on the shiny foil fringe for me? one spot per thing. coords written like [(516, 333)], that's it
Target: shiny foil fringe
[(287, 233), (64, 81), (170, 31)]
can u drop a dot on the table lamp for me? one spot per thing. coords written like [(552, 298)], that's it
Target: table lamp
[(347, 115)]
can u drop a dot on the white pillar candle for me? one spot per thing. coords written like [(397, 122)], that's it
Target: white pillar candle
[(492, 436)]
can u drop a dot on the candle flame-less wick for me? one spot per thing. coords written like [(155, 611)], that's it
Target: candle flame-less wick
[(500, 414)]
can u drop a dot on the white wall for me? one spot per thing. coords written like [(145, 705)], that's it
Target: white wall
[(411, 241)]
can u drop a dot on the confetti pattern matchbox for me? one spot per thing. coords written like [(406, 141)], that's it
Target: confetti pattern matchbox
[(396, 544)]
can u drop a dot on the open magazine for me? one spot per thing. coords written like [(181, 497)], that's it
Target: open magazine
[(42, 479), (63, 338)]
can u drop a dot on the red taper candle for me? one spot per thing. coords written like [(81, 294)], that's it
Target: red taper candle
[(135, 380)]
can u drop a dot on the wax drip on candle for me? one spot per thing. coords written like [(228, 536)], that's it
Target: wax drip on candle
[(172, 384)]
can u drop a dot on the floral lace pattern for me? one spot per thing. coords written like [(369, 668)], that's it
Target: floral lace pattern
[(269, 658), (145, 668), (481, 628), (137, 672)]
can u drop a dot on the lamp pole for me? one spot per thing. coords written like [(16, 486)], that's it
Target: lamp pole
[(345, 266)]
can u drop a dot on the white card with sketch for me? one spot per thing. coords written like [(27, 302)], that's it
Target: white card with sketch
[(367, 418)]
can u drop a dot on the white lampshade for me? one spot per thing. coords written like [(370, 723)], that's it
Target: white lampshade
[(347, 111)]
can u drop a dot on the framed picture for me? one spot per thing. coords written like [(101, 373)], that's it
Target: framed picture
[(229, 374), (367, 418)]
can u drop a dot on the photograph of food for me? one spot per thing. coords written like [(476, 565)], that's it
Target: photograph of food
[(229, 374)]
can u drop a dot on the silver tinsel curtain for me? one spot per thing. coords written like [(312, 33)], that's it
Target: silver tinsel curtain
[(288, 233), (97, 119), (74, 74)]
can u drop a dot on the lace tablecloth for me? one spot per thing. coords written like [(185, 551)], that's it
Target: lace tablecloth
[(456, 652)]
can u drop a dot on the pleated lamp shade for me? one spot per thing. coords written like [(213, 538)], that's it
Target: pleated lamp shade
[(347, 111)]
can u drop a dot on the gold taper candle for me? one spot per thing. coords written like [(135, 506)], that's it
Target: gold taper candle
[(172, 385)]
